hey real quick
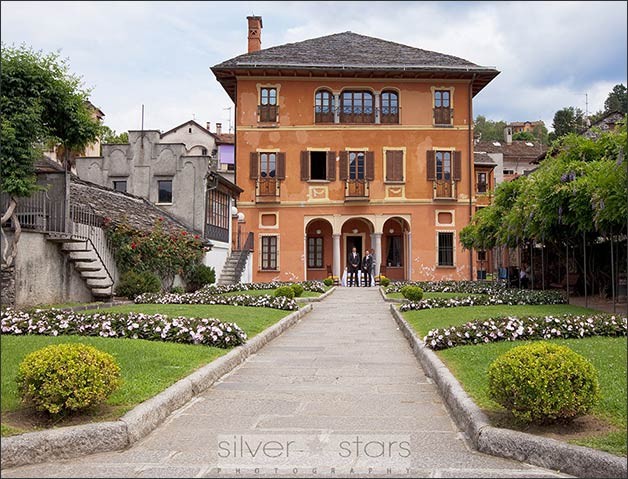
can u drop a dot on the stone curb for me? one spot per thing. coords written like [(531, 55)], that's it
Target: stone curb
[(317, 298), (387, 299), (540, 451), (72, 441)]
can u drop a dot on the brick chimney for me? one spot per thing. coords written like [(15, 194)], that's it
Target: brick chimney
[(207, 125), (218, 128), (255, 33)]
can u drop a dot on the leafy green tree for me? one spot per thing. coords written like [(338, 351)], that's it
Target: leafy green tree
[(567, 120), (41, 103), (110, 136), (541, 134), (617, 100), (524, 136), (489, 130)]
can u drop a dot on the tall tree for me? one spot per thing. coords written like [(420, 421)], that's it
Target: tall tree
[(489, 130), (617, 100), (567, 120), (41, 102), (110, 136)]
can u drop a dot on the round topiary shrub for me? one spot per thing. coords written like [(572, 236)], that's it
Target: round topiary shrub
[(298, 289), (285, 291), (199, 276), (328, 282), (543, 383), (412, 293), (177, 290), (384, 281), (133, 284), (67, 377)]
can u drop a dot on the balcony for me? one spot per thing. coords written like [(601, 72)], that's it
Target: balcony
[(356, 190), (267, 190), (444, 190), (443, 116)]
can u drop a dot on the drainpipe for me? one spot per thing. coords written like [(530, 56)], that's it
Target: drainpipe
[(470, 172)]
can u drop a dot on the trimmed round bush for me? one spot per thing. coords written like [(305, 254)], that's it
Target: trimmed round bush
[(298, 289), (199, 276), (177, 290), (328, 282), (543, 383), (384, 281), (133, 283), (412, 293), (67, 377), (285, 291)]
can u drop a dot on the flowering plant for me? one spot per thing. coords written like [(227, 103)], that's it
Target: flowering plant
[(205, 296), (470, 287), (153, 327), (527, 328), (313, 286)]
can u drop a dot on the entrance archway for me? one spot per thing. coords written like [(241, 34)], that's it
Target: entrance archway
[(396, 249), (318, 249)]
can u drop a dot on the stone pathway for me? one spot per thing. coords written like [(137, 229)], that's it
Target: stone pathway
[(339, 394)]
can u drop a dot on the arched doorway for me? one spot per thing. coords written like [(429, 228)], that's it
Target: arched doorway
[(355, 232), (318, 249), (396, 249)]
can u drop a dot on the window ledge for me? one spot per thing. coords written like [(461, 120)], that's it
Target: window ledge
[(318, 181), (164, 204), (268, 271), (446, 266), (394, 182), (444, 125), (317, 269)]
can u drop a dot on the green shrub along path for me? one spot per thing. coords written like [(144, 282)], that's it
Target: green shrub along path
[(470, 364)]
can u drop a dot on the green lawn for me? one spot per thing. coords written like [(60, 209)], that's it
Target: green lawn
[(251, 320), (470, 363), (435, 295), (424, 320)]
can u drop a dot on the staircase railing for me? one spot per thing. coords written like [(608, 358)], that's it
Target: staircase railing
[(244, 252)]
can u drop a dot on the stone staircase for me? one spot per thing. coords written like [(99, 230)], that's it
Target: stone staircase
[(233, 268), (87, 262)]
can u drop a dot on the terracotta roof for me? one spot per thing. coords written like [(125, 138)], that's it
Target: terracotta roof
[(226, 139), (517, 149), (119, 207), (348, 53)]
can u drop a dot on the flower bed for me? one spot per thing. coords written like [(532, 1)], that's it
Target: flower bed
[(527, 328), (207, 296), (153, 327), (469, 287), (313, 286), (504, 297)]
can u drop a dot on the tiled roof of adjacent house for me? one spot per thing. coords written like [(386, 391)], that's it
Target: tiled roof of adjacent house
[(120, 207), (48, 165), (517, 149), (350, 52), (226, 138), (482, 158)]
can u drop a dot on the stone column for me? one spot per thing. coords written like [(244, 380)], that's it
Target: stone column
[(377, 111), (336, 257), (378, 251), (336, 107), (408, 235)]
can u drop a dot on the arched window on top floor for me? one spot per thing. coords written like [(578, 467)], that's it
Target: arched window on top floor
[(389, 109), (357, 107), (324, 107)]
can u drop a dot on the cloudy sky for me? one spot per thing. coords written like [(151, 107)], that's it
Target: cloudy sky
[(158, 53)]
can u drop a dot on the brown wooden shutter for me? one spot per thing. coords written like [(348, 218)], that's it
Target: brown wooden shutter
[(457, 169), (394, 165), (343, 173), (431, 165), (331, 166), (305, 165), (369, 170), (254, 166), (281, 166), (390, 161)]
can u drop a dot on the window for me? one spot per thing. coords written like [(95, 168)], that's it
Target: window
[(120, 186), (204, 151), (268, 108), (445, 249), (443, 166), (357, 107), (509, 172), (393, 258), (356, 165), (268, 165), (269, 252), (442, 107), (165, 191), (389, 112), (315, 252), (230, 167), (324, 107), (318, 165), (482, 255), (481, 183), (217, 215), (394, 165)]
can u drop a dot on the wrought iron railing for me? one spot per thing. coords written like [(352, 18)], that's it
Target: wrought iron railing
[(357, 189)]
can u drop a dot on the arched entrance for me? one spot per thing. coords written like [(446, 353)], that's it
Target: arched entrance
[(318, 249), (355, 232), (396, 249)]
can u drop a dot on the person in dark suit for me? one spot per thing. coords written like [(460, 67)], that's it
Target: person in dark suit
[(367, 264), (354, 265)]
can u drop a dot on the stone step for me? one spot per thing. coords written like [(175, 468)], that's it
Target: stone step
[(99, 283), (82, 256), (102, 291), (94, 274), (87, 266), (75, 246)]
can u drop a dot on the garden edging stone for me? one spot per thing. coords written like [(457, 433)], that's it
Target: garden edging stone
[(318, 298), (72, 441), (544, 452), (382, 291)]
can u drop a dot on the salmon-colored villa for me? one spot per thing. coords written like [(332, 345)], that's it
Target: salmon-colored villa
[(348, 140)]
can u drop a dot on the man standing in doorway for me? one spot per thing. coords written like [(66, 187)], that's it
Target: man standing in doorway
[(354, 265), (367, 264)]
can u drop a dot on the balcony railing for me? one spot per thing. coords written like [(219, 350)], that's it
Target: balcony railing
[(268, 113), (357, 115), (267, 189), (443, 115), (357, 189), (444, 189)]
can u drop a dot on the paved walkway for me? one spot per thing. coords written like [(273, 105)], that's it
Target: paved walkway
[(339, 394)]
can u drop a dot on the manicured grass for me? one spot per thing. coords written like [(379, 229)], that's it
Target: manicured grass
[(470, 365), (436, 295), (426, 319), (251, 320), (147, 367)]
